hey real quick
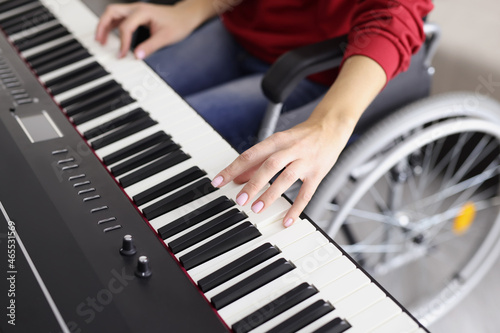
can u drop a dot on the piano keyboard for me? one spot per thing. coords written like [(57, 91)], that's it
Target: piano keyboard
[(257, 275)]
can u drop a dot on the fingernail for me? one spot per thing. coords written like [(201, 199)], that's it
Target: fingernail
[(140, 54), (217, 181), (288, 222), (242, 198), (257, 207)]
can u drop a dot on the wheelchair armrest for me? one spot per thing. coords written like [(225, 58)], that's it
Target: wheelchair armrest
[(293, 66)]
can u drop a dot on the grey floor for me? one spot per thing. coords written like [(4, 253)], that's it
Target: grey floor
[(469, 54)]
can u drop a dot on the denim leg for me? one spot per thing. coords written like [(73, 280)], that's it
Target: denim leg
[(206, 58), (234, 109)]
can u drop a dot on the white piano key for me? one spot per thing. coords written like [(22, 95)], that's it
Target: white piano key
[(25, 33), (273, 233), (75, 15), (93, 123), (18, 10), (344, 285), (45, 46), (359, 301), (402, 323), (374, 316), (66, 69), (82, 88)]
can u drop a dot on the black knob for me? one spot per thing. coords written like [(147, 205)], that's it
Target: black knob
[(128, 247), (143, 269)]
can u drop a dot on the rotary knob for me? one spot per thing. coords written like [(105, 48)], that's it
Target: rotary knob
[(128, 247), (143, 270)]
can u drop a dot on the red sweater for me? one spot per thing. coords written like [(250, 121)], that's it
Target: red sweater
[(387, 31)]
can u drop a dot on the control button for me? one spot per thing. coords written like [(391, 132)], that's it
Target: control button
[(69, 167), (75, 177), (24, 101), (20, 96), (91, 198), (66, 160), (87, 190), (98, 209), (60, 151), (115, 227), (18, 91), (143, 270), (111, 219), (7, 75), (9, 79), (81, 183), (128, 247), (13, 84)]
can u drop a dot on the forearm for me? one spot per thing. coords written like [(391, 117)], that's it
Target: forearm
[(358, 83), (199, 10)]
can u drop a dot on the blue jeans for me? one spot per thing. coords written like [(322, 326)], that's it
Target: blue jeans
[(221, 81)]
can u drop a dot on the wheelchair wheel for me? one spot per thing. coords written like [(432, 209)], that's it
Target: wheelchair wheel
[(416, 200)]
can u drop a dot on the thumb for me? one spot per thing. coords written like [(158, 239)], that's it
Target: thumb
[(149, 46)]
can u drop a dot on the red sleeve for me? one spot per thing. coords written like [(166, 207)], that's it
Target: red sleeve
[(388, 31)]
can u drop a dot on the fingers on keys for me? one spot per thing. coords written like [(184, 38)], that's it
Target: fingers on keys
[(260, 164), (127, 18)]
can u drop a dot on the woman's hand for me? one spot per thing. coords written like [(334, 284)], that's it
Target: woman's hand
[(306, 152), (167, 24)]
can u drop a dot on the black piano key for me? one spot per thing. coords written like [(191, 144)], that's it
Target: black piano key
[(198, 215), (337, 325), (169, 185), (235, 237), (274, 308), (9, 5), (91, 73), (124, 132), (25, 17), (48, 55), (251, 283), (240, 265), (64, 60), (147, 156), (105, 105), (28, 21), (179, 198), (112, 84), (115, 123), (206, 230), (135, 147), (42, 37), (151, 169), (88, 100), (303, 318)]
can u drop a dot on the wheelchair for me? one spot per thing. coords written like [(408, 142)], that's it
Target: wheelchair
[(414, 197)]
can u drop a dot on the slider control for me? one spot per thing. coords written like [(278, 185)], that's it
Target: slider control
[(143, 269), (128, 247)]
